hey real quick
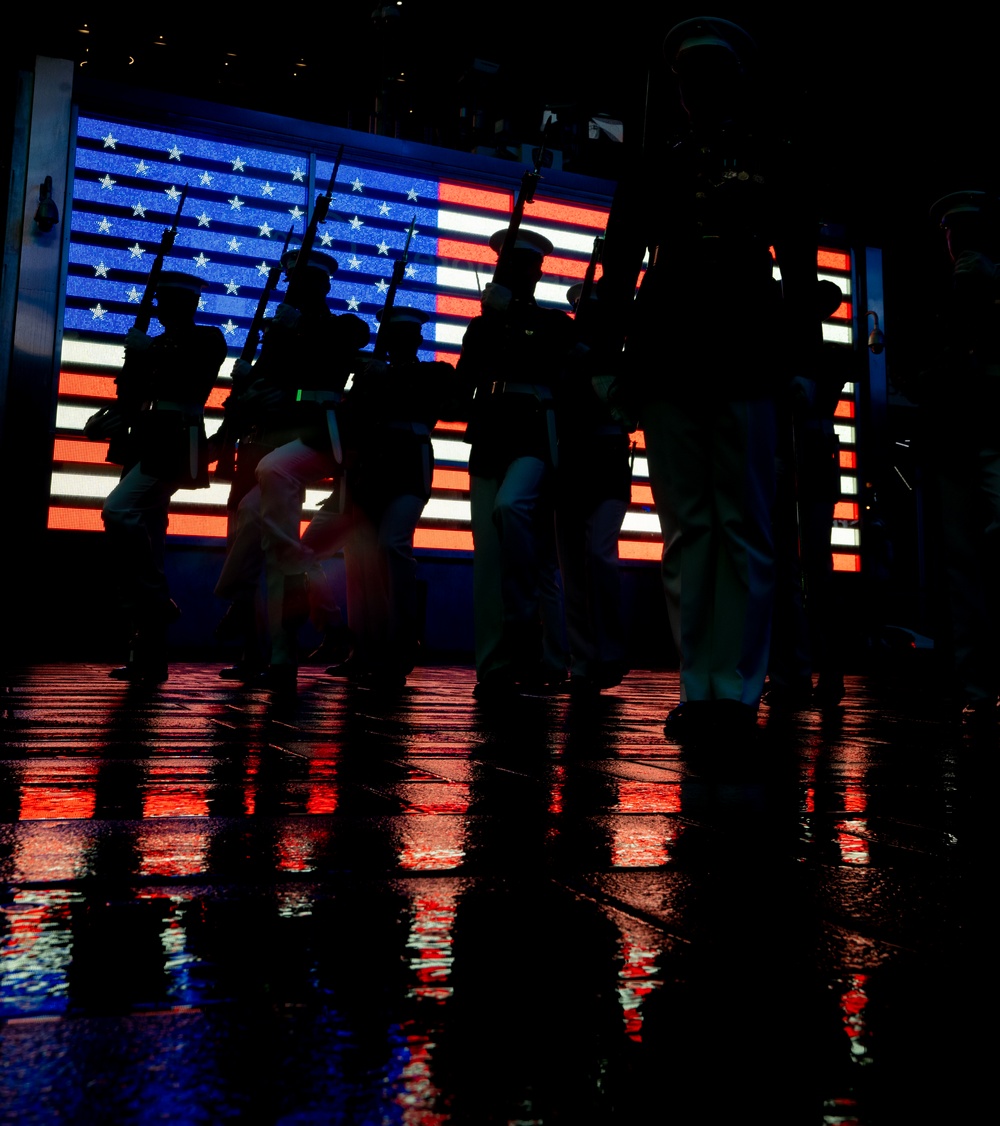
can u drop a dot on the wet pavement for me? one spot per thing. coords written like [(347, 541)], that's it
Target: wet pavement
[(219, 908)]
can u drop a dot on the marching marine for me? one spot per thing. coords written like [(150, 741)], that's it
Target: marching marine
[(511, 363), (162, 391)]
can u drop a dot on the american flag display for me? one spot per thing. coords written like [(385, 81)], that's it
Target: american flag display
[(242, 198)]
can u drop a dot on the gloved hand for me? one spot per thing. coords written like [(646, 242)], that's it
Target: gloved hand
[(137, 340), (496, 298), (241, 371), (287, 316)]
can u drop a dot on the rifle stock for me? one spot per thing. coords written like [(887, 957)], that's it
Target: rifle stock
[(144, 314), (398, 270), (525, 194)]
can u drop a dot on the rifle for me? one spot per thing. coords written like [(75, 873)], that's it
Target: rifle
[(398, 269), (144, 313), (226, 437), (320, 210), (525, 194), (111, 423), (582, 306)]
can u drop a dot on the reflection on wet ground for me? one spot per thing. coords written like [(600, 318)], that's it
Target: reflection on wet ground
[(342, 910)]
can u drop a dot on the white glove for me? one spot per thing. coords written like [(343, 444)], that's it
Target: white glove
[(137, 340), (496, 297), (241, 369), (286, 315)]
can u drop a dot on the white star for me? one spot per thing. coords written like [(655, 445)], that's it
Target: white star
[(383, 248), (201, 261), (104, 226), (298, 174), (265, 230), (384, 209), (174, 153), (100, 270), (238, 164), (232, 287), (325, 238), (138, 209), (412, 194), (352, 304), (203, 219), (357, 186), (98, 311), (267, 189), (107, 182), (136, 251), (110, 141), (355, 224), (134, 295), (263, 268), (172, 193), (354, 263), (235, 203), (383, 285), (233, 245), (295, 213), (141, 168), (206, 179), (411, 271), (229, 328)]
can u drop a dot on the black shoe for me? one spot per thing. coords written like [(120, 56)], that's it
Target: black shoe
[(335, 648), (143, 672), (829, 690), (245, 672), (786, 698), (495, 687), (691, 719), (279, 678)]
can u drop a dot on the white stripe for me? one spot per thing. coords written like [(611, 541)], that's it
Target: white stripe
[(91, 353), (448, 510), (446, 449), (72, 418), (94, 486), (842, 282), (448, 334), (447, 277), (849, 486), (484, 226), (640, 468), (848, 391), (641, 522), (838, 334), (844, 432), (845, 537)]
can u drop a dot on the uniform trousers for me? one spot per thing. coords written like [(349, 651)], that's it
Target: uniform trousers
[(588, 558), (711, 468), (968, 485), (507, 514), (381, 575), (135, 520)]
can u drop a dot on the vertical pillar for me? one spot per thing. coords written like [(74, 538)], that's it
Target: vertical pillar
[(32, 299)]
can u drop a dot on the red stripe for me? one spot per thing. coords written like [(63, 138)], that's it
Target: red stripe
[(843, 562), (76, 519), (642, 494), (848, 459), (196, 524), (639, 439), (461, 251), (446, 358), (558, 212), (478, 198), (842, 312), (81, 452), (845, 409), (457, 306), (833, 260), (458, 427), (444, 539), (845, 510), (86, 386), (639, 549), (450, 479)]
